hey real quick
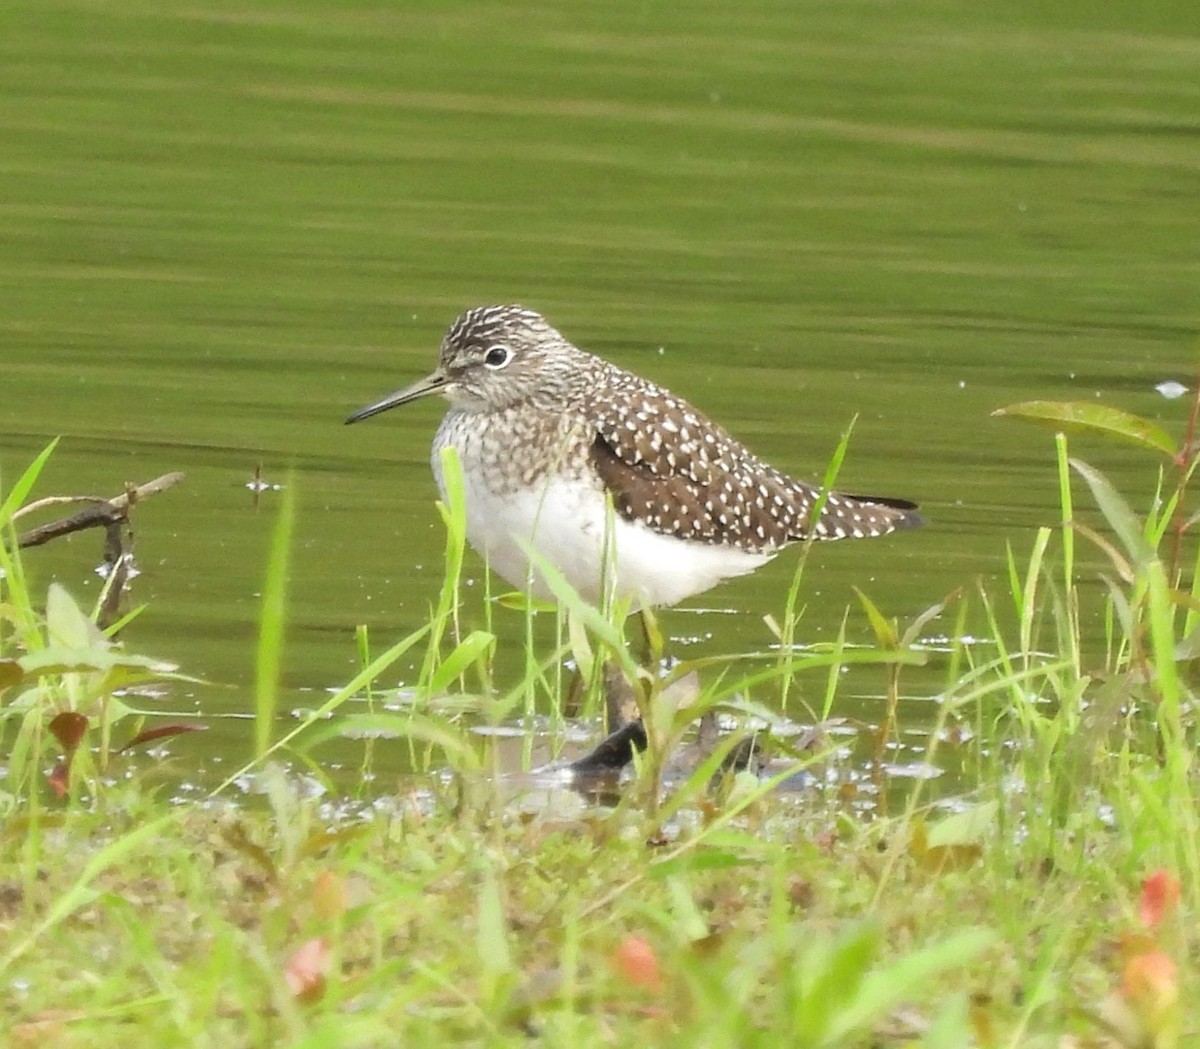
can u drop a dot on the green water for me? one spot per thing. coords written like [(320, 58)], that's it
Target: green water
[(224, 226)]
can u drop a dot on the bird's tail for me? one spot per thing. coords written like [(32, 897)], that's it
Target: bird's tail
[(864, 516)]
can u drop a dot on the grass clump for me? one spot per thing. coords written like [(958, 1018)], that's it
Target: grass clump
[(1044, 905)]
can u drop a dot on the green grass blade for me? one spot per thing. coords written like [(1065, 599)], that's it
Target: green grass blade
[(1117, 513), (271, 624), (80, 893), (16, 495)]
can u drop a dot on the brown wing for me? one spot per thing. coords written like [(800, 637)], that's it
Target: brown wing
[(669, 467)]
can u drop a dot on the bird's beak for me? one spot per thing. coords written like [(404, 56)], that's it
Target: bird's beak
[(421, 388)]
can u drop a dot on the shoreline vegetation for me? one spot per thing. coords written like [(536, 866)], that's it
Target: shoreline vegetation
[(1048, 902)]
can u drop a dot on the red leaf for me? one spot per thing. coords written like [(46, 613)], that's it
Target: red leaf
[(60, 779), (161, 732), (1160, 897), (635, 959), (68, 728), (306, 970)]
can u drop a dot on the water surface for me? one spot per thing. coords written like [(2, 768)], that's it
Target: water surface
[(224, 226)]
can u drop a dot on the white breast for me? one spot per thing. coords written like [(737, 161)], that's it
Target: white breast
[(569, 523)]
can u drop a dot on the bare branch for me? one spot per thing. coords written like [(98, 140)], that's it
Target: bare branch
[(96, 512)]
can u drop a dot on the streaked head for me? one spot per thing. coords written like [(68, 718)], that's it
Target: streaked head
[(491, 357)]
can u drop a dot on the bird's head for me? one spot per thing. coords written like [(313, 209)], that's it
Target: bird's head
[(491, 358)]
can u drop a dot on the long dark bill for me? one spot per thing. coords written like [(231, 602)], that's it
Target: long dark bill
[(420, 388)]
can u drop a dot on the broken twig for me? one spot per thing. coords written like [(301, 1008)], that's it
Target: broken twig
[(99, 512)]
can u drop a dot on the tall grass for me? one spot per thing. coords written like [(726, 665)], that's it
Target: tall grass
[(1077, 779)]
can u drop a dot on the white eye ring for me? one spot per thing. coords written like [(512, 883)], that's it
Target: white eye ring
[(497, 357)]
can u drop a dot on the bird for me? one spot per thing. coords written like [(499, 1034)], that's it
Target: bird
[(623, 487)]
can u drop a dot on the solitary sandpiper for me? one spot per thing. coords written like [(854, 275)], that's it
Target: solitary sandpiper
[(618, 483)]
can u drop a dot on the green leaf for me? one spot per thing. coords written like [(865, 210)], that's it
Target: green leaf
[(472, 647), (886, 987), (883, 629), (130, 671), (1117, 512), (913, 631), (835, 973), (951, 1027), (1093, 418), (67, 624), (58, 659), (699, 859), (491, 938), (522, 602), (968, 827), (687, 914)]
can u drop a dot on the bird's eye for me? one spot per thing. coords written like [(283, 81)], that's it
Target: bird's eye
[(497, 357)]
